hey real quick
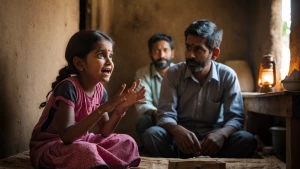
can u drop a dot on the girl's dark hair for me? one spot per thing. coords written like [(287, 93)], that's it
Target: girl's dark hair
[(80, 44)]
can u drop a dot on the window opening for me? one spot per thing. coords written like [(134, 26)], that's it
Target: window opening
[(286, 30)]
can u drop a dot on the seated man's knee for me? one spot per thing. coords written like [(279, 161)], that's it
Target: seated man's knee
[(240, 144), (143, 123), (154, 133), (154, 130), (158, 142), (246, 139)]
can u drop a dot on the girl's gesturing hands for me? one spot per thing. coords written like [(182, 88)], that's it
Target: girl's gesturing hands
[(132, 96), (113, 102), (126, 99)]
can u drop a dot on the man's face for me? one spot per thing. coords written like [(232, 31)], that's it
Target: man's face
[(161, 54), (197, 53)]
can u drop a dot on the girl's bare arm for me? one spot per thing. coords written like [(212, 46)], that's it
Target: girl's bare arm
[(132, 97), (68, 130)]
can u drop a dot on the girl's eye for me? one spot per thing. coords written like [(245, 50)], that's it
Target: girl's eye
[(111, 55), (100, 55)]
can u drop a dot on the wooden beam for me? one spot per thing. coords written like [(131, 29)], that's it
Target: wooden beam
[(275, 160), (231, 163), (196, 164), (292, 142), (275, 105)]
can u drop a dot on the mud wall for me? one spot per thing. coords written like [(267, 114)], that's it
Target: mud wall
[(33, 37)]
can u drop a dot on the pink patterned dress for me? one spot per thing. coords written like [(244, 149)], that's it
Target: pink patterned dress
[(47, 150)]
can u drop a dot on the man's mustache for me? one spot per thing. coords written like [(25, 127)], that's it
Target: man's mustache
[(192, 60), (161, 59)]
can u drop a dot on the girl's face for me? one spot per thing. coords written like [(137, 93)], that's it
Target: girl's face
[(99, 65)]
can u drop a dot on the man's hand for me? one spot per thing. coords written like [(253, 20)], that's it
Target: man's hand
[(186, 140), (212, 143)]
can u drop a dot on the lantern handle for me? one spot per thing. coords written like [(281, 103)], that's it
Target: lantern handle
[(274, 72)]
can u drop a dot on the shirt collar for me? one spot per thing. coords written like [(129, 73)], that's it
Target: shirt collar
[(154, 72), (212, 74)]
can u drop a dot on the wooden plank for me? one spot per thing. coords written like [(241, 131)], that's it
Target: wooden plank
[(231, 163), (193, 164), (258, 94), (271, 94), (276, 106), (267, 165), (244, 163), (273, 159), (292, 143), (154, 163), (296, 106)]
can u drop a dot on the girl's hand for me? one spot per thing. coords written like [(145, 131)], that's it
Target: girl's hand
[(132, 96), (113, 102)]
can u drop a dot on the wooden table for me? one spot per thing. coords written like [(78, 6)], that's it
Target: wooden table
[(284, 104)]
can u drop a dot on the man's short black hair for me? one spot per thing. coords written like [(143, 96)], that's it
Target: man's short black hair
[(158, 37), (207, 30)]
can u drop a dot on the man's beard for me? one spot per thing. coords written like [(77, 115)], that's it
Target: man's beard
[(195, 65), (161, 65)]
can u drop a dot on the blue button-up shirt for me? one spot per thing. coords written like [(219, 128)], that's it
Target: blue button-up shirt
[(201, 108), (151, 79)]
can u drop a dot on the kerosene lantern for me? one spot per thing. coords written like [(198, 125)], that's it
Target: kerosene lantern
[(267, 74)]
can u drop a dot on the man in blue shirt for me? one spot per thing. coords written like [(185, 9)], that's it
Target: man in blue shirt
[(200, 109), (161, 52)]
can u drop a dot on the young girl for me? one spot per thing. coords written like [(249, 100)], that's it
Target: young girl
[(60, 139)]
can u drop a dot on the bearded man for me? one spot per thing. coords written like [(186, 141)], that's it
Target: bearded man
[(200, 110), (161, 52)]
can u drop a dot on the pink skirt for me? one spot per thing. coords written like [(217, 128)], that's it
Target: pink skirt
[(116, 151)]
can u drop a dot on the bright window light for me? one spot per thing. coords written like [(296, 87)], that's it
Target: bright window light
[(286, 29)]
